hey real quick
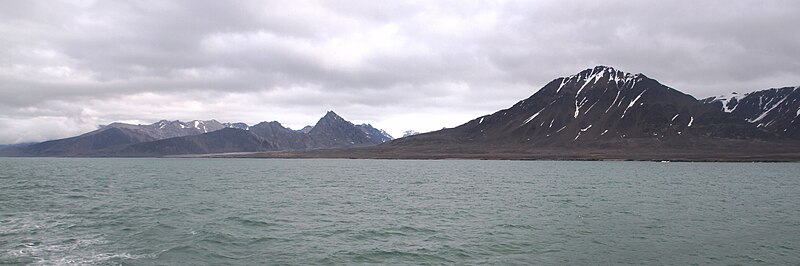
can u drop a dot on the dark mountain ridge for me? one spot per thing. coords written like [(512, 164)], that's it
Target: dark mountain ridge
[(775, 110), (221, 141), (334, 131), (169, 129), (201, 137), (105, 138)]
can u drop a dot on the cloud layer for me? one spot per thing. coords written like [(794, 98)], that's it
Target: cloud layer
[(68, 66)]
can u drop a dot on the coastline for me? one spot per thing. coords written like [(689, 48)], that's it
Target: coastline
[(538, 156)]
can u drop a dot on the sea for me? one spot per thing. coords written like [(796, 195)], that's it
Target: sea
[(197, 211)]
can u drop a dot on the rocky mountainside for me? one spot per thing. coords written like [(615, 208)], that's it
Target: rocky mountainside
[(102, 139), (378, 135), (331, 131), (334, 131), (283, 138), (238, 125), (409, 133), (220, 141), (306, 129), (169, 129), (774, 110)]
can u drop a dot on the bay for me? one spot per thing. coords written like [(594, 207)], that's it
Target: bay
[(318, 211)]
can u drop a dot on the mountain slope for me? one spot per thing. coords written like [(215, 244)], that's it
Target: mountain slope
[(88, 143), (598, 107), (334, 131), (220, 141), (169, 129), (774, 110), (114, 136), (373, 133), (283, 138)]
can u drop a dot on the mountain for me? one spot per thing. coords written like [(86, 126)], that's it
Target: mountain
[(602, 109), (169, 129), (283, 138), (113, 136), (239, 125), (334, 131), (374, 133), (601, 106), (13, 149), (409, 133), (17, 145), (220, 141), (306, 129), (87, 144), (774, 110)]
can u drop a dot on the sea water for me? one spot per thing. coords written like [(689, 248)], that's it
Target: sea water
[(263, 211)]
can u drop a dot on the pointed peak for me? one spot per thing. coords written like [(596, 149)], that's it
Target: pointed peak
[(332, 115), (332, 118)]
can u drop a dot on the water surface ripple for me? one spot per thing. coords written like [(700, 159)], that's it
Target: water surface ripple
[(242, 211)]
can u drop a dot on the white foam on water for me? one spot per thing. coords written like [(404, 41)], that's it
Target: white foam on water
[(90, 259)]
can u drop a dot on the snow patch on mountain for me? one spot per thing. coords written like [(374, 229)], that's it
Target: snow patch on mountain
[(532, 117), (729, 101)]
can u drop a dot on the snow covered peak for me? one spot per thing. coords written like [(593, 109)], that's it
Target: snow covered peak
[(238, 125), (204, 126), (599, 72), (599, 77), (729, 101), (373, 132), (409, 133)]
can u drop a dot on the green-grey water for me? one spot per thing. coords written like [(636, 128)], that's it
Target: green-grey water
[(243, 211)]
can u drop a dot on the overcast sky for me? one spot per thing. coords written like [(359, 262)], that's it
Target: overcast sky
[(68, 66)]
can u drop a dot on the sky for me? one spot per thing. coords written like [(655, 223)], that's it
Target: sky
[(67, 67)]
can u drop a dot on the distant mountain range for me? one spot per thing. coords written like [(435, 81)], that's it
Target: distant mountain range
[(202, 137), (598, 113)]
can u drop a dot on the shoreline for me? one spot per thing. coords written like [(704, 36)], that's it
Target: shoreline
[(498, 154), (329, 154)]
